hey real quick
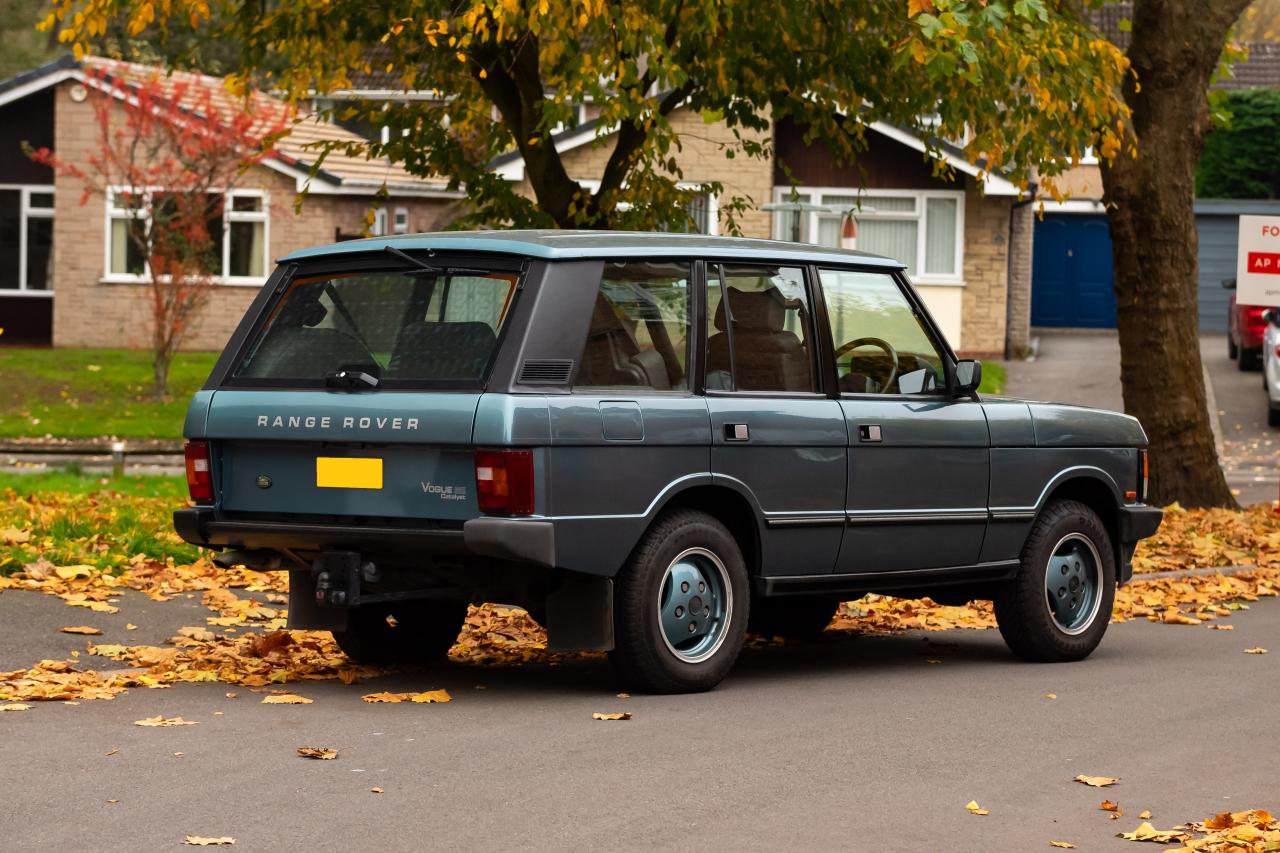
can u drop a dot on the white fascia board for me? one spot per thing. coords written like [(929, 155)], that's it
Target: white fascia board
[(32, 86), (992, 184), (1072, 205)]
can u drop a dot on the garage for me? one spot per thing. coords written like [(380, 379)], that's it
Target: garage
[(1071, 276)]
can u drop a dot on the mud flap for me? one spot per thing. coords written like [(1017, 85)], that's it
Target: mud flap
[(304, 613), (580, 616)]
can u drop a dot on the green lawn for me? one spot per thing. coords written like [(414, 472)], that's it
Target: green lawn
[(993, 377), (73, 481), (86, 393)]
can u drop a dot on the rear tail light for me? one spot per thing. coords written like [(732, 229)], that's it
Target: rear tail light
[(199, 474), (504, 481), (1144, 473)]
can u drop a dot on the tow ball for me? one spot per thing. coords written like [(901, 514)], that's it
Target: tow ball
[(339, 575)]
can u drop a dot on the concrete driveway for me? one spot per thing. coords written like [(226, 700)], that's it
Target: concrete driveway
[(850, 743), (1083, 367)]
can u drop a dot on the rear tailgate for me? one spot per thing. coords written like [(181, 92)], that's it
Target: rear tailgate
[(384, 454)]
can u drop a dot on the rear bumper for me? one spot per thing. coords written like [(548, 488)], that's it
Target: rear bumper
[(520, 540), (1139, 522)]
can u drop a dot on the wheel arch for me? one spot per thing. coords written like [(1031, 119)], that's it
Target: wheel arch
[(730, 506), (1096, 490)]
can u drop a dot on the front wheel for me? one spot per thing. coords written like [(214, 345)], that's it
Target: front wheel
[(681, 605), (401, 632), (1058, 606)]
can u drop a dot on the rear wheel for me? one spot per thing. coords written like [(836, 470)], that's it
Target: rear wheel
[(799, 618), (1058, 606), (423, 631), (1273, 415), (680, 606), (1250, 359)]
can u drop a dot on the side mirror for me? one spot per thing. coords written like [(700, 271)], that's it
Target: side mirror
[(968, 376), (1229, 283)]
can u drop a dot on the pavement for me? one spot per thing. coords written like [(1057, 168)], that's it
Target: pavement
[(848, 743), (1083, 367)]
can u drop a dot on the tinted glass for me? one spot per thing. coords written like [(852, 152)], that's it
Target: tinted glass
[(759, 338), (639, 334), (881, 344), (402, 327)]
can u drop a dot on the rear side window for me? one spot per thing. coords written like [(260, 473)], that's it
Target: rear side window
[(405, 328), (759, 321), (639, 334)]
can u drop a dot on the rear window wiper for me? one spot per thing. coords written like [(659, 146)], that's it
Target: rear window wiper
[(432, 269)]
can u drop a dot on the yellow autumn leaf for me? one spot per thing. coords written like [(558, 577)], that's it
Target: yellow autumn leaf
[(1147, 832), (375, 790), (77, 571), (80, 629), (1051, 695), (202, 841), (973, 808), (429, 696), (1096, 781), (622, 715), (320, 753), (161, 722), (1066, 845), (1256, 650), (286, 699), (1145, 814), (14, 706), (1108, 806)]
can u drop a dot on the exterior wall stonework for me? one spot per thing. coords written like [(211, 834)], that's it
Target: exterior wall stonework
[(91, 313), (984, 305), (1022, 236)]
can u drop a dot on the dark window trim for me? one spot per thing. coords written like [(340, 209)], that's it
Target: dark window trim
[(929, 325)]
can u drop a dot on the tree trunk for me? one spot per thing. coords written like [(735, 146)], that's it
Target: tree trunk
[(1150, 202), (160, 374)]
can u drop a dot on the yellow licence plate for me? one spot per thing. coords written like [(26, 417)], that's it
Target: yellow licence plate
[(336, 472)]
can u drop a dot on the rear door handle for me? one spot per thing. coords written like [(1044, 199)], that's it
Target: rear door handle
[(868, 432), (736, 432)]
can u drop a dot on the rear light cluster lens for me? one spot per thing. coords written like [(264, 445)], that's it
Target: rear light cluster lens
[(199, 471), (504, 481), (1144, 472)]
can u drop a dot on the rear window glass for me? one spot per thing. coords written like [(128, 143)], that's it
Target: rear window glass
[(402, 328)]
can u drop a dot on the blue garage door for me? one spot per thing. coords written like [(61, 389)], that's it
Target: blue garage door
[(1071, 282)]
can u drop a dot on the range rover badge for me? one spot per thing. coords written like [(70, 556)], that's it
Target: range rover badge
[(264, 482)]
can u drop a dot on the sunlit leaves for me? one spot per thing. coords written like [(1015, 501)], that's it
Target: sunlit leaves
[(320, 753), (163, 722), (612, 716), (425, 697), (1096, 781), (973, 808)]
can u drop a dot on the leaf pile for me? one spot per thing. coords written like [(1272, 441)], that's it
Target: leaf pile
[(1211, 538), (1252, 831)]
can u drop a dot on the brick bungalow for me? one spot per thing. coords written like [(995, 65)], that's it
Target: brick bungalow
[(64, 279)]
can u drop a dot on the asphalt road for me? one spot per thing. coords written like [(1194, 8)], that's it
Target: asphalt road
[(846, 744)]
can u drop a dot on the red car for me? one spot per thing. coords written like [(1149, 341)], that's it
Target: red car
[(1245, 327)]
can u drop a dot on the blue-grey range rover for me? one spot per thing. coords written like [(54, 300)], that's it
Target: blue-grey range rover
[(653, 442)]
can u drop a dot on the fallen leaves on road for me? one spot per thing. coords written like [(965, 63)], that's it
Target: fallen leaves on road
[(1096, 781), (14, 706), (1256, 650), (426, 697), (1147, 832), (286, 699), (80, 629), (320, 753), (201, 841), (973, 808), (1065, 845), (1051, 695), (621, 715), (163, 722), (375, 790), (1108, 806), (1145, 814)]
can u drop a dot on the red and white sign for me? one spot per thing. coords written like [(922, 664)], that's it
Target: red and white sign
[(1258, 261)]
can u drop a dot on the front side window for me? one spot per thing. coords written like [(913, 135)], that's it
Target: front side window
[(639, 333), (402, 328), (759, 337), (881, 344)]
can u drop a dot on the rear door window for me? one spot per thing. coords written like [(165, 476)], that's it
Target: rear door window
[(759, 337), (639, 333), (405, 328)]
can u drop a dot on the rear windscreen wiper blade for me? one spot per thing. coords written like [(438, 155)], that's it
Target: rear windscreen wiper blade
[(425, 267)]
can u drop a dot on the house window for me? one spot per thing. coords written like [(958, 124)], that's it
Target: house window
[(237, 227), (26, 239), (923, 229), (400, 224)]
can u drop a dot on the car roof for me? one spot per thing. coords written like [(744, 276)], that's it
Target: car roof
[(567, 245)]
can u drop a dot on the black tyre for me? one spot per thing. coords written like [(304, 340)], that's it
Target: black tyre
[(1233, 352), (1273, 415), (424, 630), (681, 605), (801, 618), (1058, 606), (1250, 359)]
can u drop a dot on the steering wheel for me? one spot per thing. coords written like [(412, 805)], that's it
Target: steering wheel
[(879, 343)]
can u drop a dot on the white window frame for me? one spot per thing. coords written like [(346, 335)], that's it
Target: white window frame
[(817, 195), (28, 212), (400, 220), (112, 213)]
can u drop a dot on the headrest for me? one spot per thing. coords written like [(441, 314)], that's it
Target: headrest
[(754, 310)]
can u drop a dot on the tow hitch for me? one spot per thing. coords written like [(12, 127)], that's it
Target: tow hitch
[(338, 576)]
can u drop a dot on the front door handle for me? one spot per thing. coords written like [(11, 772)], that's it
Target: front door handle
[(736, 432), (868, 432)]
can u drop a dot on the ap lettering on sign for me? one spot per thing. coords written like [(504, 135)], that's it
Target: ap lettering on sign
[(1258, 261)]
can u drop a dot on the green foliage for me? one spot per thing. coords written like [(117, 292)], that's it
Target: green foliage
[(1026, 83), (21, 46), (1241, 158), (993, 378), (59, 392)]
